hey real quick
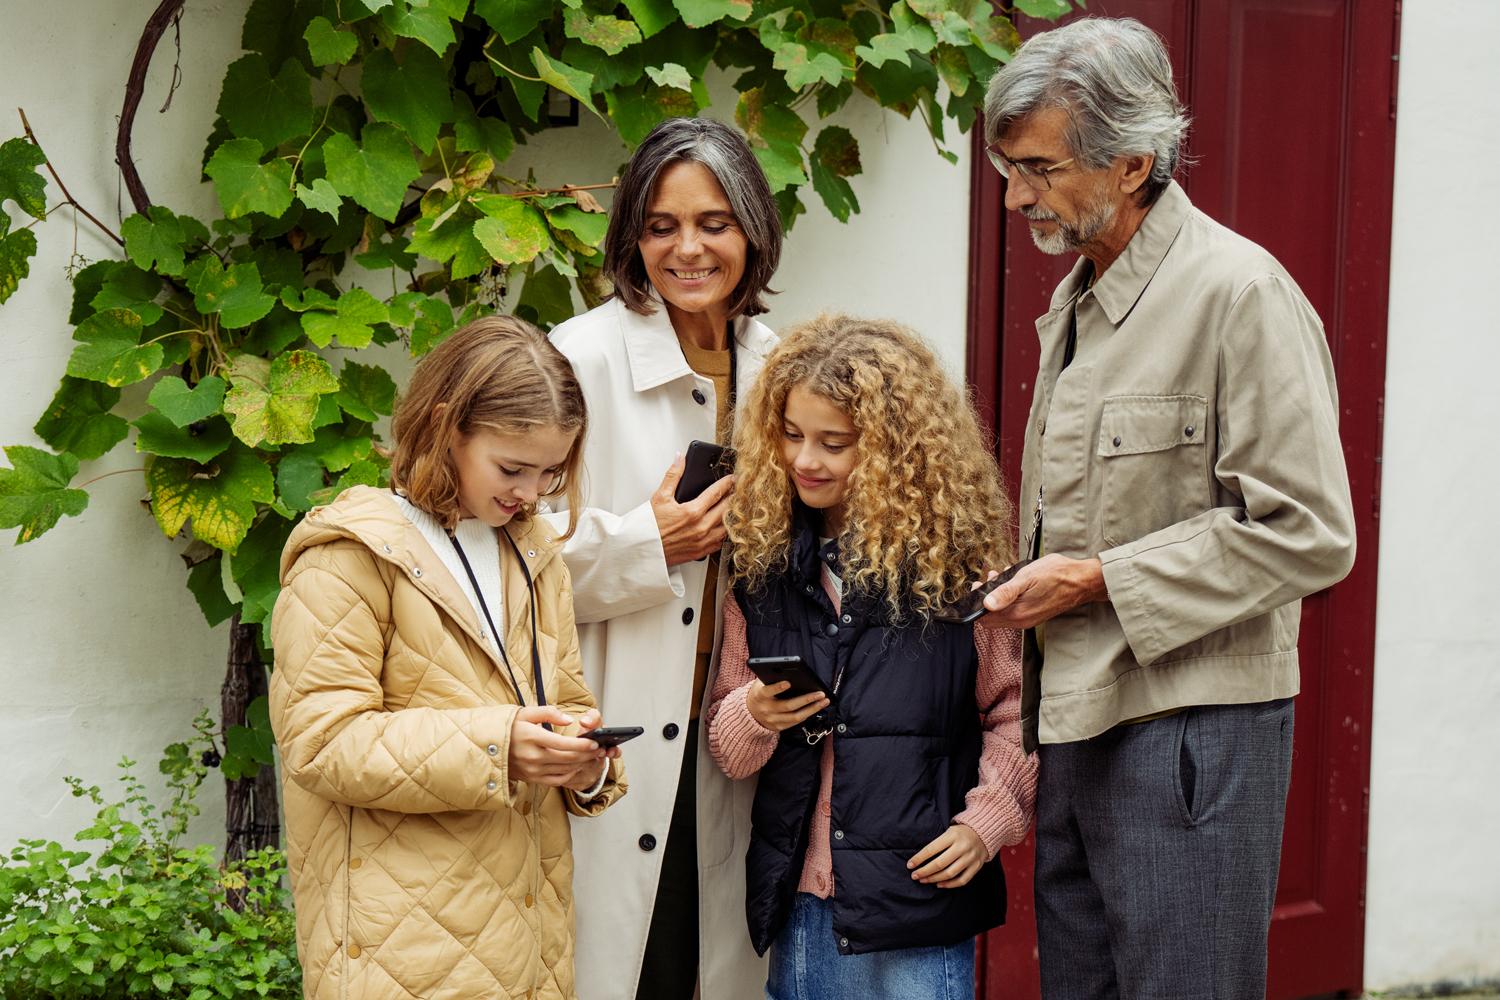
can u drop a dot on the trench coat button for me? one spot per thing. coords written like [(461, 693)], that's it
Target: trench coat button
[(647, 842), (838, 835), (1189, 429), (530, 900), (687, 616), (832, 629), (354, 864), (491, 785), (416, 571), (698, 397), (354, 951), (492, 750), (846, 619), (841, 728), (1117, 441), (670, 730)]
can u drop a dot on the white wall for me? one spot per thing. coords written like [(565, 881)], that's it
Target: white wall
[(102, 650), (1434, 874)]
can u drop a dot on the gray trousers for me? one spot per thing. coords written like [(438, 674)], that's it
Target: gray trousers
[(1157, 851)]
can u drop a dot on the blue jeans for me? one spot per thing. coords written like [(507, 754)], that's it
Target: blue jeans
[(806, 964)]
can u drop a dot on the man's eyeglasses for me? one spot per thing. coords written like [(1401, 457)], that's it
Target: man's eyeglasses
[(1037, 178)]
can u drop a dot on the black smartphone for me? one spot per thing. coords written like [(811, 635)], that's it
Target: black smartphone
[(612, 736), (775, 669), (703, 465), (971, 607)]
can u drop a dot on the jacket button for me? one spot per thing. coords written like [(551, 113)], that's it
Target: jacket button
[(687, 616), (846, 619), (841, 728), (492, 750), (832, 629), (354, 951), (809, 588), (526, 808), (491, 785), (1189, 429), (354, 864), (530, 900), (387, 549), (838, 835), (647, 842), (843, 942), (670, 730), (1117, 441), (698, 397), (416, 571)]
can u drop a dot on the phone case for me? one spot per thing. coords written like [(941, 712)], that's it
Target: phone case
[(704, 465)]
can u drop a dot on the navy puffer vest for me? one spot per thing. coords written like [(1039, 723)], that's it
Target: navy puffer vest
[(906, 753)]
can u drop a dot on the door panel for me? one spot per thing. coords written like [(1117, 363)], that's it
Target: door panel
[(1291, 146)]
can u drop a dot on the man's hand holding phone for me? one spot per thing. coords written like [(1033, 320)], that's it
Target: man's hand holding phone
[(779, 714), (1044, 589)]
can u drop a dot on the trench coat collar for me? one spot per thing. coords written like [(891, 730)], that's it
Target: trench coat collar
[(1120, 287), (655, 356)]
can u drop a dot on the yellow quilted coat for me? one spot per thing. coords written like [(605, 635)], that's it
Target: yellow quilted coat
[(418, 868)]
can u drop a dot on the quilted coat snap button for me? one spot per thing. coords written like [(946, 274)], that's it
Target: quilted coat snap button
[(416, 571), (846, 619), (387, 549), (647, 842), (530, 900), (531, 553), (354, 951), (492, 750), (491, 785), (1189, 430), (354, 864)]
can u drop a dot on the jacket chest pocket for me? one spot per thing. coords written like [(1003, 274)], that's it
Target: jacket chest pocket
[(1152, 464)]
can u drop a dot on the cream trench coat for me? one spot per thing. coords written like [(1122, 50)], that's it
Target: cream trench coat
[(638, 629)]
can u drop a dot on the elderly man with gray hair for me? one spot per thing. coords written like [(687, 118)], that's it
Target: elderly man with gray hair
[(1185, 488)]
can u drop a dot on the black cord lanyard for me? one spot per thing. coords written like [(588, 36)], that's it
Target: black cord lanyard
[(536, 656)]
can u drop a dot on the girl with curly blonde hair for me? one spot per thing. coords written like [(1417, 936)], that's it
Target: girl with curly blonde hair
[(867, 499)]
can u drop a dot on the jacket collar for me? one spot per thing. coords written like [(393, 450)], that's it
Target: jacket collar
[(369, 516), (1121, 286), (655, 356)]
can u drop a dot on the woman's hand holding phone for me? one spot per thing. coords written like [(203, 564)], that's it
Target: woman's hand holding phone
[(541, 757), (779, 714), (694, 529)]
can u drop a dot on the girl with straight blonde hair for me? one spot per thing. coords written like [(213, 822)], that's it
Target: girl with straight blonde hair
[(428, 697)]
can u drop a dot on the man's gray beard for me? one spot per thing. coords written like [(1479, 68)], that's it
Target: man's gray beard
[(1070, 238)]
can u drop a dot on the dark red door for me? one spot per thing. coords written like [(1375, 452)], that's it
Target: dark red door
[(1293, 136)]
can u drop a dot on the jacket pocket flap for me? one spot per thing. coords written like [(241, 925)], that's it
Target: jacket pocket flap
[(1131, 425)]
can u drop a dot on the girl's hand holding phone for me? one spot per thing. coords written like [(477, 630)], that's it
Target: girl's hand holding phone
[(547, 758), (781, 714), (950, 861)]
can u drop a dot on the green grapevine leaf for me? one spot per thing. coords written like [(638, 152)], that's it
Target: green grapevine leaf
[(128, 287), (19, 180), (366, 392), (236, 294), (321, 196), (203, 583), (245, 184), (413, 95), (219, 498), (651, 15), (671, 75), (697, 13), (16, 251), (603, 32), (111, 350), (275, 402), (156, 435), (182, 406), (512, 232), (555, 73), (79, 421), (376, 173), (836, 156), (299, 475), (513, 20), (269, 109), (428, 24), (34, 491), (1048, 9), (329, 46), (355, 313)]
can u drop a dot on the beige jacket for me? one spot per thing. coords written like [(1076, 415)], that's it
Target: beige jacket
[(418, 867), (1193, 446)]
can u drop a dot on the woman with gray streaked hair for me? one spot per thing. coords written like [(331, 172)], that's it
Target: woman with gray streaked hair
[(694, 239)]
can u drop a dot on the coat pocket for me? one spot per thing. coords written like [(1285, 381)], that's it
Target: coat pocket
[(1153, 464)]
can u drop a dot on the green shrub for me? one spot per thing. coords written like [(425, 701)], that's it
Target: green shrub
[(140, 915)]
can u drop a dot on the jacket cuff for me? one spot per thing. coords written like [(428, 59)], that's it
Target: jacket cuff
[(609, 789), (490, 730), (998, 823)]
